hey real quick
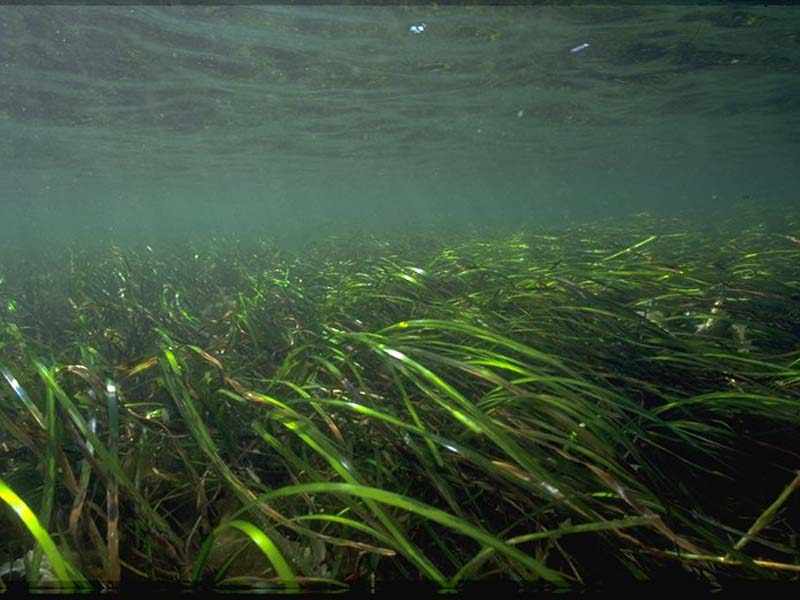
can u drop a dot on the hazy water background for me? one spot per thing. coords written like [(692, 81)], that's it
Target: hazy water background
[(146, 120)]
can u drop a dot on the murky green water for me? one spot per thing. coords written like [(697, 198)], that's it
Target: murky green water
[(292, 118)]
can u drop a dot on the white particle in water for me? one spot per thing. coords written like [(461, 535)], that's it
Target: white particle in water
[(554, 491)]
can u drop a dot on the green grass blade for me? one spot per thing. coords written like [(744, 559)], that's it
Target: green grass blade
[(49, 480), (637, 245), (486, 553), (112, 493), (108, 462), (261, 540), (66, 574), (345, 469), (426, 511), (23, 396)]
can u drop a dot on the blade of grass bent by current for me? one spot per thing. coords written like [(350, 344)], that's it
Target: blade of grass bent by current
[(261, 540), (23, 396), (487, 553), (66, 574), (429, 512), (344, 468)]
